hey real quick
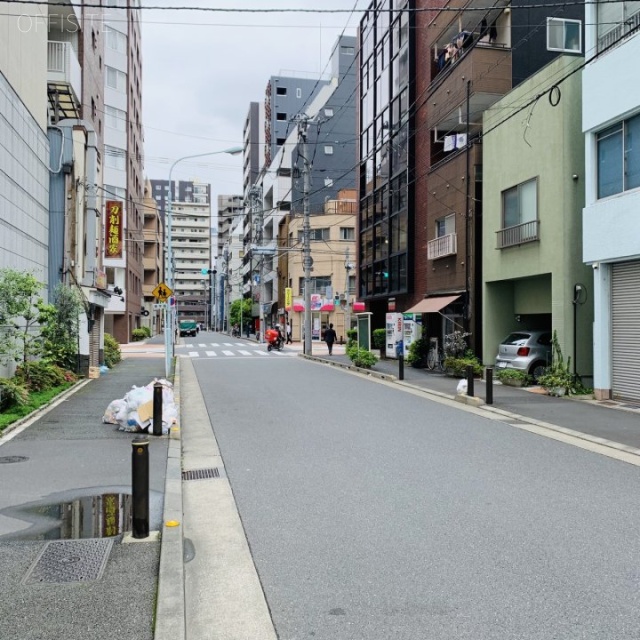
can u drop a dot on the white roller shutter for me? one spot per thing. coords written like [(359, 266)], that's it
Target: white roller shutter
[(625, 323), (94, 340)]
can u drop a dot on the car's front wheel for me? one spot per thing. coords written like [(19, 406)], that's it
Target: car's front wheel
[(537, 369)]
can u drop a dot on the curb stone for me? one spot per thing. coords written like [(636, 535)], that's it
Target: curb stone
[(170, 608)]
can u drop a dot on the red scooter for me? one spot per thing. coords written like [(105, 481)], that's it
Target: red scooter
[(274, 339)]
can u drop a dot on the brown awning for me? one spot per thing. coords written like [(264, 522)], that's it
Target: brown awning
[(432, 305)]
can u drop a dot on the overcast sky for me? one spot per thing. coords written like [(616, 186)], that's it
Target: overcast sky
[(202, 69)]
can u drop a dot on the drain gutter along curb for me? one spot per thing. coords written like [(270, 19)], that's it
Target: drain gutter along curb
[(170, 610)]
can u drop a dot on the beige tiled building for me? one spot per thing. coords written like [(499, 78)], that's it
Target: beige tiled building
[(333, 284)]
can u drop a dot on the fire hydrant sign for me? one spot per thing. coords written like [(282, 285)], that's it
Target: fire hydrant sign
[(162, 292)]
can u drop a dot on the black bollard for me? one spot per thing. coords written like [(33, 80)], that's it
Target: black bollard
[(157, 409), (470, 380), (140, 487), (400, 367), (489, 381)]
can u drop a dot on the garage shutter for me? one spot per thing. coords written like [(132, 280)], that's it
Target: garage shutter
[(94, 341), (625, 320)]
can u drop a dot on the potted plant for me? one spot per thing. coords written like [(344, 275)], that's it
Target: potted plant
[(513, 377), (456, 367), (458, 357), (557, 379)]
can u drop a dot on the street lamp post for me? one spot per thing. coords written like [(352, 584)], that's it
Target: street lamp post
[(170, 311)]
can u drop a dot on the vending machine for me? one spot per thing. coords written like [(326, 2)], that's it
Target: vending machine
[(394, 325), (412, 330)]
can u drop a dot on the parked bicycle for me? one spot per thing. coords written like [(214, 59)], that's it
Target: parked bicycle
[(435, 359)]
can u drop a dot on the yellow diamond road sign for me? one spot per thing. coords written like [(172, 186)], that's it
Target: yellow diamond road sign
[(162, 292)]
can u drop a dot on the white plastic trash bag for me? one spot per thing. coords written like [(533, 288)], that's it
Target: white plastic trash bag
[(134, 412), (462, 387), (115, 412)]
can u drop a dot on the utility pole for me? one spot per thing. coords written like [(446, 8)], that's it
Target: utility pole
[(257, 219), (303, 124), (227, 290), (347, 312)]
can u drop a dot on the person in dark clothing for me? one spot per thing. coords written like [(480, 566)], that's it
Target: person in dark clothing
[(330, 338)]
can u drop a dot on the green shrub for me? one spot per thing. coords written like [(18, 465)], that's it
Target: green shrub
[(138, 334), (457, 366), (380, 339), (557, 378), (362, 358), (112, 353), (39, 375), (513, 374), (147, 331), (12, 394), (352, 335), (418, 351)]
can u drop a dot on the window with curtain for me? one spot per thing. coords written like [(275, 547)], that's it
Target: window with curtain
[(618, 152), (519, 204)]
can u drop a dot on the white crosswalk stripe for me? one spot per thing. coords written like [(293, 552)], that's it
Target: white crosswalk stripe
[(194, 354), (244, 353), (211, 353), (228, 353), (202, 345)]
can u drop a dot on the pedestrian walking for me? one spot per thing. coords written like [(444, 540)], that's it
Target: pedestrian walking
[(330, 338), (289, 340)]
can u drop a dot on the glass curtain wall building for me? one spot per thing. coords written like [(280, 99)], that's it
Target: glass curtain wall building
[(385, 188)]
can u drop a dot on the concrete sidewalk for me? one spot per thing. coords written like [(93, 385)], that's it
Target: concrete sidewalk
[(615, 424), (67, 570)]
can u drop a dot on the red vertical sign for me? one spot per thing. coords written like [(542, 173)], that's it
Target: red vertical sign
[(113, 230)]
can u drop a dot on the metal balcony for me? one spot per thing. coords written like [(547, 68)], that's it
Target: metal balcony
[(442, 247), (64, 80), (518, 234)]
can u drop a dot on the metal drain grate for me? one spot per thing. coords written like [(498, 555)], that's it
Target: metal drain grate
[(201, 474), (62, 561)]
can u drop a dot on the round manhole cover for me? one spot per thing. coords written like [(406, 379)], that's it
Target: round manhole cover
[(10, 459)]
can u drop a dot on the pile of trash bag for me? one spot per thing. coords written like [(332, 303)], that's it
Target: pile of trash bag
[(134, 412)]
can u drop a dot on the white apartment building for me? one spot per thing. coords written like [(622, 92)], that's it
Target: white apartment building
[(123, 178), (191, 243), (611, 225)]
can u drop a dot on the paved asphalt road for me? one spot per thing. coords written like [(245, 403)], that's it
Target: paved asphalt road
[(373, 513)]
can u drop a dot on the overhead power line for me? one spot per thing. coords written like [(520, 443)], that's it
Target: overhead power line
[(134, 6)]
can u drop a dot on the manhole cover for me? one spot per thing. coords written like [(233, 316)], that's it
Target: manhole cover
[(63, 561), (10, 459)]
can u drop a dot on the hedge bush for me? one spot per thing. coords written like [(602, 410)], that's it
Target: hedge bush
[(12, 394), (112, 353), (138, 334), (40, 375), (380, 339)]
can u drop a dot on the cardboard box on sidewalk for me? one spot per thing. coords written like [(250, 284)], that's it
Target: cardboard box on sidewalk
[(94, 372)]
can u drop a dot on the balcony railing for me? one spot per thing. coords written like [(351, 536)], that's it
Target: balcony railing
[(617, 34), (518, 234), (63, 66), (442, 246)]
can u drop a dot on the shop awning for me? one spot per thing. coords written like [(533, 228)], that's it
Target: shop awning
[(358, 307), (432, 305)]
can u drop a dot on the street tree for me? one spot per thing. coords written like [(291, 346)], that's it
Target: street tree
[(19, 300), (59, 326)]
